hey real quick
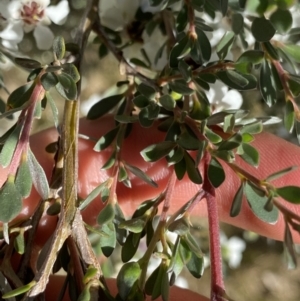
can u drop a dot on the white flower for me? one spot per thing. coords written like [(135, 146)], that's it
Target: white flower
[(232, 250), (222, 98), (19, 16)]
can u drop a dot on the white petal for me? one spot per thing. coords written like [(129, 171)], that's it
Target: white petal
[(4, 4), (43, 36), (13, 32), (11, 45), (232, 100), (14, 9), (58, 13)]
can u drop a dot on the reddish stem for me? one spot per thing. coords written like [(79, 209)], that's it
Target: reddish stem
[(217, 283), (24, 137)]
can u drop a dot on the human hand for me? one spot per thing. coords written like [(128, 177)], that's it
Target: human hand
[(276, 154)]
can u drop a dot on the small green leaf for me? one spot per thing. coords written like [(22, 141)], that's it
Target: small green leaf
[(146, 90), (229, 122), (106, 215), (38, 176), (167, 102), (196, 266), (262, 29), (139, 63), (141, 101), (215, 172), (72, 71), (289, 244), (212, 136), (180, 50), (102, 51), (104, 106), (66, 86), (257, 203), (135, 225), (290, 193), (85, 295), (267, 84), (19, 243), (181, 87), (238, 78), (108, 240), (20, 290), (224, 7), (110, 161), (129, 248), (192, 170), (180, 169), (231, 143), (225, 44), (250, 154), (188, 141), (180, 226), (59, 47), (282, 20), (141, 175), (252, 128), (182, 19), (49, 80), (280, 173), (185, 70), (10, 201), (237, 23), (252, 83), (127, 277), (237, 201), (289, 116), (27, 63), (23, 180), (9, 146), (251, 56), (92, 195), (157, 151), (106, 140)]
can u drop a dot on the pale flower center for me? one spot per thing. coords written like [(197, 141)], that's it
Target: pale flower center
[(31, 13)]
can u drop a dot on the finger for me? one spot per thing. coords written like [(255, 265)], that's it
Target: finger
[(275, 153), (176, 293)]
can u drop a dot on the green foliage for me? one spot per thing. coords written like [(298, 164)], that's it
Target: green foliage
[(165, 90)]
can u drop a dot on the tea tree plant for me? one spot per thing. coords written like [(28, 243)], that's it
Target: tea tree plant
[(163, 91)]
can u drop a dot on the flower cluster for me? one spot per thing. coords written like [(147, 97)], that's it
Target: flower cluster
[(19, 17)]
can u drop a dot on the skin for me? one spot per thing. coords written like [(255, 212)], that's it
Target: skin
[(275, 154)]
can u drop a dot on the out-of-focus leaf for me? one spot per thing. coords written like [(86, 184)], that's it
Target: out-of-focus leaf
[(251, 56), (10, 201), (49, 80), (104, 106), (290, 193), (215, 172), (27, 63), (181, 87), (237, 23), (289, 244), (146, 90), (128, 275), (225, 44), (267, 84), (282, 20), (262, 29)]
